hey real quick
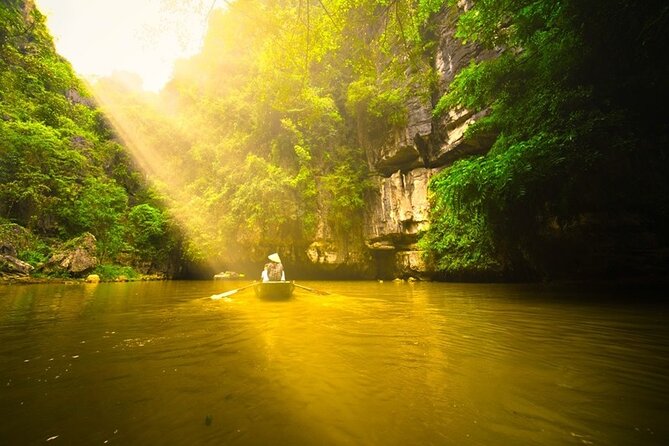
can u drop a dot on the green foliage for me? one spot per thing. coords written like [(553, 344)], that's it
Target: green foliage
[(61, 174), (344, 189), (570, 143), (382, 102), (148, 226), (98, 207), (36, 256), (267, 204), (109, 272), (271, 121), (461, 246)]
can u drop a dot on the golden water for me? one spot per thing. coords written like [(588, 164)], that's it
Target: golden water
[(160, 363)]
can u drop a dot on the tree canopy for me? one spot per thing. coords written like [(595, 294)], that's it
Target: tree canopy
[(268, 126)]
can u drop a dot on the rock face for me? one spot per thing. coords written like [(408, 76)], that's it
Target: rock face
[(402, 164), (339, 255), (406, 148), (398, 209), (76, 257)]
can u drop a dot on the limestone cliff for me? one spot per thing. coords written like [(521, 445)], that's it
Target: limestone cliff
[(401, 164), (398, 207)]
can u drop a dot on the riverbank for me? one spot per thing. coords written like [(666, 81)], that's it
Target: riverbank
[(28, 280)]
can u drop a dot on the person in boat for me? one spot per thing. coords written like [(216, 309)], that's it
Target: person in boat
[(273, 270)]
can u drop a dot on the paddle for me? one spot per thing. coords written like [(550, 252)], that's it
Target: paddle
[(312, 289), (231, 292)]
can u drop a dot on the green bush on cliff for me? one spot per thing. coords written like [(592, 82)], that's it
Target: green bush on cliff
[(344, 189), (98, 206), (569, 99)]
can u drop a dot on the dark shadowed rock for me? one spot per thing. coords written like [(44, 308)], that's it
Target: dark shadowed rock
[(10, 265), (14, 239)]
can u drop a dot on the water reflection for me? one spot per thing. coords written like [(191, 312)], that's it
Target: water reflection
[(373, 363)]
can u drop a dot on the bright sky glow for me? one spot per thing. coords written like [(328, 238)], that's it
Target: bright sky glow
[(146, 37)]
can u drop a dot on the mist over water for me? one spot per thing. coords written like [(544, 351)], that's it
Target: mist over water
[(371, 364)]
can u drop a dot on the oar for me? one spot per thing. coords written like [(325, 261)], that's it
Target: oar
[(312, 289), (231, 292)]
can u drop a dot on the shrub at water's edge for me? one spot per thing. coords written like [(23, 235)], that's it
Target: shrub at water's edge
[(24, 257), (116, 272)]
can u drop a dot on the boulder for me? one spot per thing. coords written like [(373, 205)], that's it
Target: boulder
[(76, 256), (10, 265), (13, 240), (93, 278)]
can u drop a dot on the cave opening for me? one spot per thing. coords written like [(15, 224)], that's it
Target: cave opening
[(386, 267)]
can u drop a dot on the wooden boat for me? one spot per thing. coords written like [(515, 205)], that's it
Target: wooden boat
[(274, 290)]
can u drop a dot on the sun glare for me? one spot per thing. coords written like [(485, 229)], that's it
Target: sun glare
[(101, 37)]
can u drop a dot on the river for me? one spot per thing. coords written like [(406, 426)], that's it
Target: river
[(160, 363)]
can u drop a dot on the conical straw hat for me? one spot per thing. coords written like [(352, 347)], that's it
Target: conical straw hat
[(274, 258)]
